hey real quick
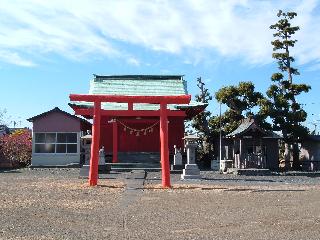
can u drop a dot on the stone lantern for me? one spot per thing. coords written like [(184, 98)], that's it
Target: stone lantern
[(191, 170), (86, 141), (86, 146)]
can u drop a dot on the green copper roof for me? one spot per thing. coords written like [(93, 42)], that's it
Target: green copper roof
[(137, 85)]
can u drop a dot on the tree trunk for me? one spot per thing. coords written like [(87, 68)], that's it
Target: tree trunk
[(207, 148), (286, 156), (295, 157)]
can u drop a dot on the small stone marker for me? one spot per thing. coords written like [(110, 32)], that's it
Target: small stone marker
[(102, 157), (191, 170)]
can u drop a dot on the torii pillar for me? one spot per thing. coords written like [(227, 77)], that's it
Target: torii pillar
[(95, 145), (165, 165)]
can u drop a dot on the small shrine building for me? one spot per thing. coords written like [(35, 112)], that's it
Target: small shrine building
[(251, 146), (136, 113)]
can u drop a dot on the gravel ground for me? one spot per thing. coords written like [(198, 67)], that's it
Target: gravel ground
[(210, 177), (56, 204)]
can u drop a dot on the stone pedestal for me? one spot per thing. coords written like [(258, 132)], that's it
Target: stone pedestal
[(102, 167), (225, 164), (191, 170), (84, 171), (215, 165)]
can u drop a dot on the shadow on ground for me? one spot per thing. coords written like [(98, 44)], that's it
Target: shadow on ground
[(9, 170)]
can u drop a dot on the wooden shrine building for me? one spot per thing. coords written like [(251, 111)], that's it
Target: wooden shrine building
[(136, 113), (250, 146), (310, 153)]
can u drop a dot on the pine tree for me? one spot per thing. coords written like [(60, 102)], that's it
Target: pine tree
[(286, 113), (240, 99), (201, 124)]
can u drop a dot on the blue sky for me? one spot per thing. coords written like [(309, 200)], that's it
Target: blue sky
[(49, 49)]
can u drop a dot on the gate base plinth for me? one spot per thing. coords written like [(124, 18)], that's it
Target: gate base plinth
[(102, 169)]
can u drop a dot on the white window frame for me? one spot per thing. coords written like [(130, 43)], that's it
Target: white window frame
[(55, 143)]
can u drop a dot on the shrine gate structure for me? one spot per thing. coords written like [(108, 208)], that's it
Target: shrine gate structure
[(131, 102)]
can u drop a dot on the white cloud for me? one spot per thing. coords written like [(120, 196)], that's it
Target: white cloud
[(133, 61), (14, 58), (314, 67), (192, 28)]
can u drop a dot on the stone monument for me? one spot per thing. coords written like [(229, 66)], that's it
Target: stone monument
[(191, 170), (177, 159)]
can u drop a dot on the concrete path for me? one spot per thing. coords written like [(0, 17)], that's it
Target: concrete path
[(134, 181)]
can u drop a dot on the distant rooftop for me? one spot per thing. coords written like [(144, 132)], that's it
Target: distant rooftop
[(55, 110)]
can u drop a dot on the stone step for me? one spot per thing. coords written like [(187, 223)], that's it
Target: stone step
[(115, 169), (139, 157), (133, 165)]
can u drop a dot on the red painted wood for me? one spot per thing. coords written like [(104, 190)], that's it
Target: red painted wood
[(162, 100), (115, 142), (175, 132), (145, 143), (165, 165), (94, 160), (129, 113), (181, 99), (130, 106)]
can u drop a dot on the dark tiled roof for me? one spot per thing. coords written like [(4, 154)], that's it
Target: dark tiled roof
[(315, 138), (250, 124), (56, 109)]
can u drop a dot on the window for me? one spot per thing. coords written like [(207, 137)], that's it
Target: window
[(44, 148), (56, 142)]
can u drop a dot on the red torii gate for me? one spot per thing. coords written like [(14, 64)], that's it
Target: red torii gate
[(98, 112)]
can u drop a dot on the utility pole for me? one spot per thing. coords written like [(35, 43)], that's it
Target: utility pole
[(220, 135)]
